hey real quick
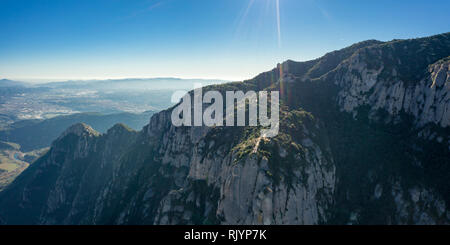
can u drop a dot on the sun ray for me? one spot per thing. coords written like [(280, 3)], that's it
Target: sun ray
[(278, 23)]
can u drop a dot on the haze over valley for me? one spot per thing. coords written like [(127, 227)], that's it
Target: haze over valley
[(33, 115)]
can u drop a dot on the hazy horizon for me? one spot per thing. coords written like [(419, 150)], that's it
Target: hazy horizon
[(229, 40), (50, 80), (56, 80)]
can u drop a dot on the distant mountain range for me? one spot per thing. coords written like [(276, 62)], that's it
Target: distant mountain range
[(10, 83), (159, 81), (364, 139), (21, 101)]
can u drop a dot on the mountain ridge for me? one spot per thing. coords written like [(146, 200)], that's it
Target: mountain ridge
[(343, 155)]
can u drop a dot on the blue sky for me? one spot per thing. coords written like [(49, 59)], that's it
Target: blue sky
[(226, 39)]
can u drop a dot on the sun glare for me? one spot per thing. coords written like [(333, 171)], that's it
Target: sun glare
[(251, 6), (278, 23)]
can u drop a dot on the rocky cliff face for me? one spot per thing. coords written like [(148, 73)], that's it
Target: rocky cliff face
[(250, 180), (427, 100), (364, 139), (63, 186)]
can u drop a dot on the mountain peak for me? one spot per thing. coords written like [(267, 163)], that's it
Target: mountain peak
[(10, 83), (80, 129), (119, 128)]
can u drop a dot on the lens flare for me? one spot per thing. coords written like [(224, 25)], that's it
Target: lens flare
[(248, 12)]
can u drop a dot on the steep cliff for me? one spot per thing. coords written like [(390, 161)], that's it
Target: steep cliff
[(364, 139)]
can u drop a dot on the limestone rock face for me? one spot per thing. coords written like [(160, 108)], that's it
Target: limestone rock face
[(213, 184), (428, 100), (243, 190)]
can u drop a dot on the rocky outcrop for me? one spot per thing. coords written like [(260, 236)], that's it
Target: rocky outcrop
[(428, 101), (243, 188), (61, 186), (210, 178), (420, 90)]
